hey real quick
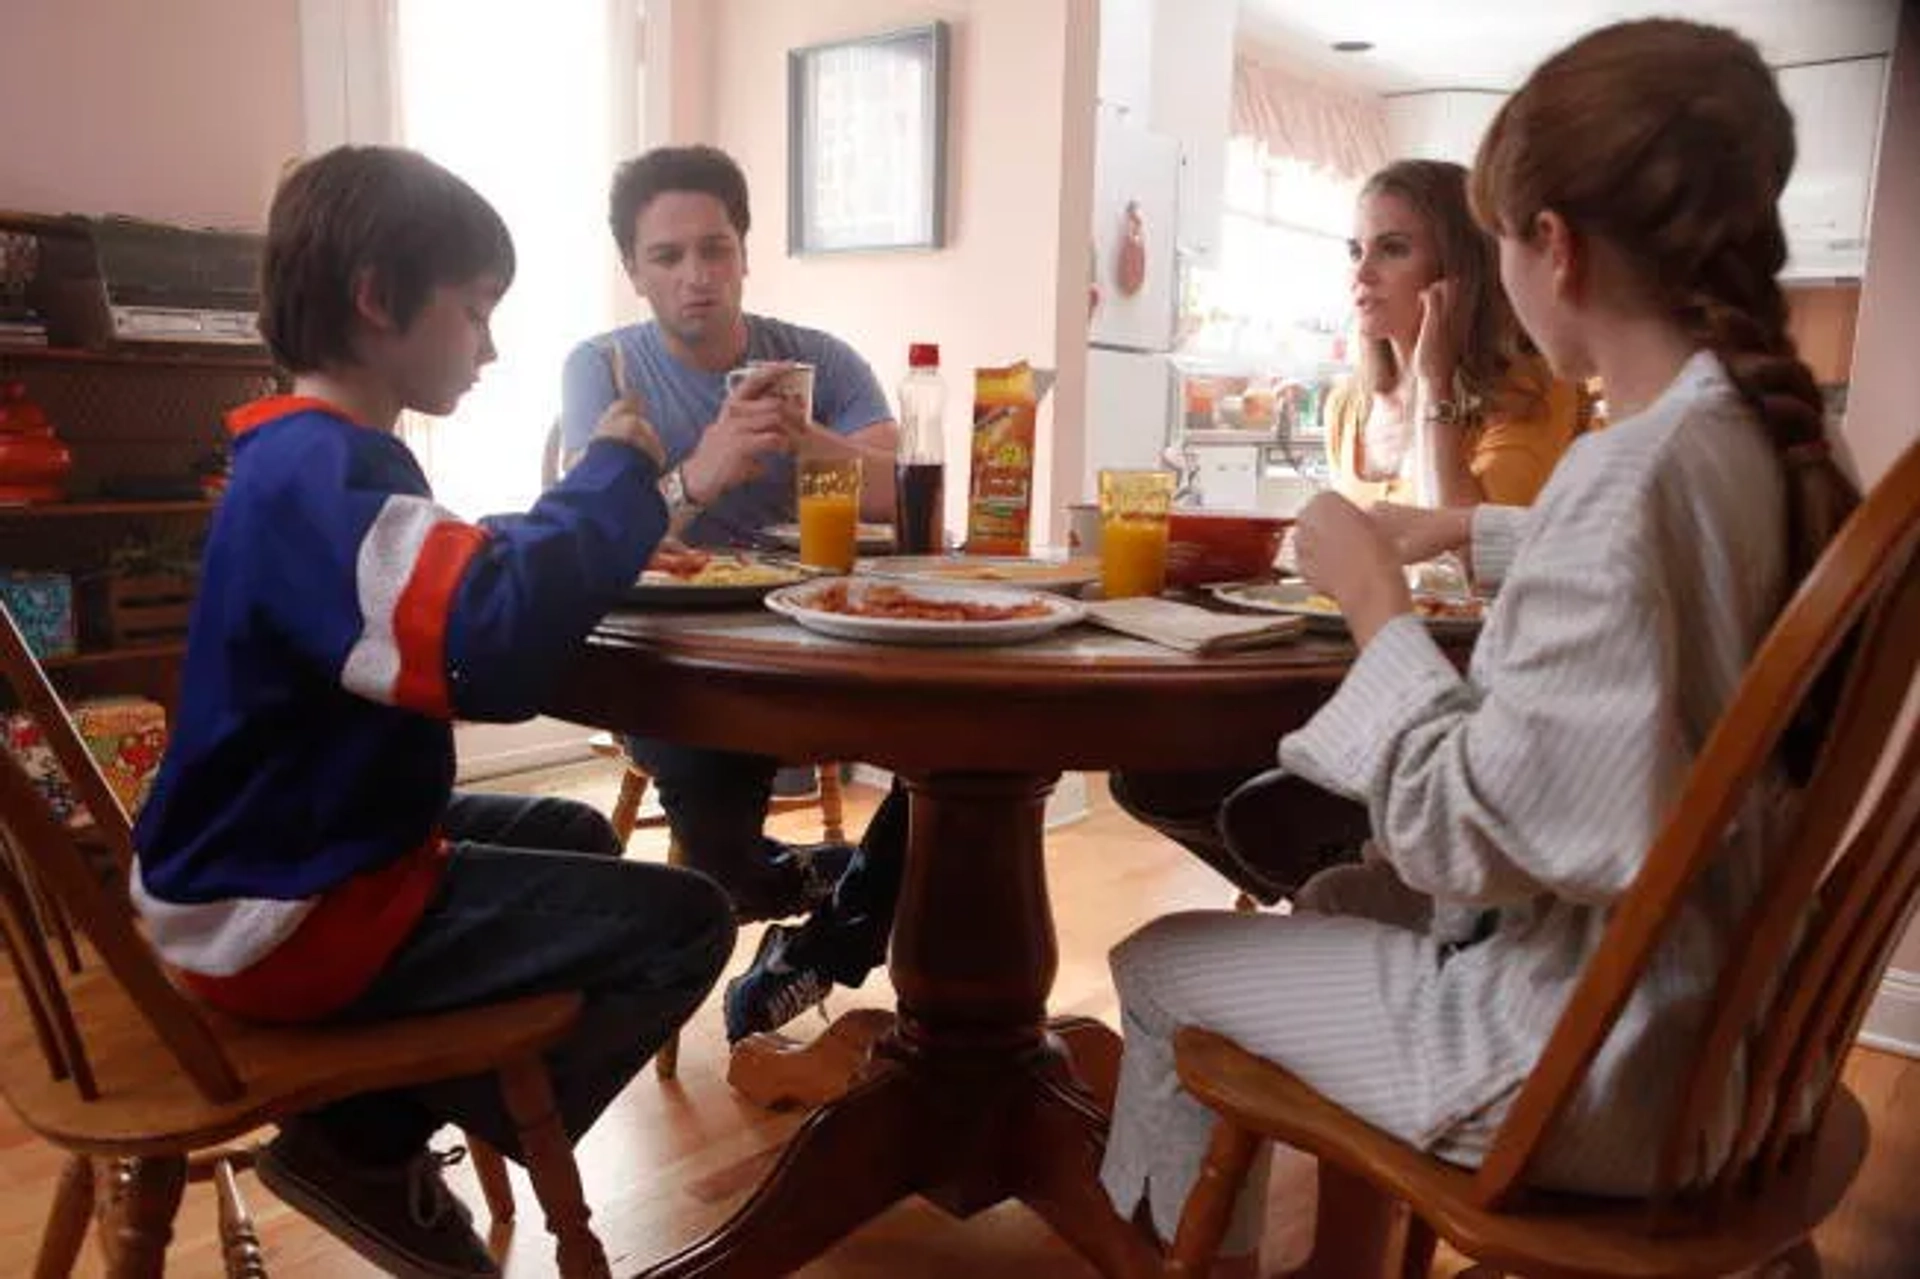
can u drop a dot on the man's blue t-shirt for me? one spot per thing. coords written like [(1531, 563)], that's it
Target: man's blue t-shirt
[(682, 402)]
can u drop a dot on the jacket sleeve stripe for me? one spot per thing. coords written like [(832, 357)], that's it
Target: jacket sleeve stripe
[(407, 574), (420, 620)]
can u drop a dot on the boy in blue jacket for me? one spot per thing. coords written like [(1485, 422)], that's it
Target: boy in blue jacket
[(303, 855)]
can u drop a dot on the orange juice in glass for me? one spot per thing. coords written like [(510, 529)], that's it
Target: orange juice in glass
[(1133, 532), (828, 497)]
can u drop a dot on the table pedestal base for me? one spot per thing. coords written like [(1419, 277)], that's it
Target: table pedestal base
[(971, 1098), (964, 1136)]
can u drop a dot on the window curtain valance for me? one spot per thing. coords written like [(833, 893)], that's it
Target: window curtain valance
[(1291, 117)]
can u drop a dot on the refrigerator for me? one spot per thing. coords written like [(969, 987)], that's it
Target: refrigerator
[(1131, 381)]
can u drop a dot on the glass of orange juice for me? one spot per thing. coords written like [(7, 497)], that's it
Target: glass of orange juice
[(828, 496), (1133, 532)]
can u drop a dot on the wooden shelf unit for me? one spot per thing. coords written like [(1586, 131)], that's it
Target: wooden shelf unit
[(104, 510), (219, 360), (134, 420), (135, 654)]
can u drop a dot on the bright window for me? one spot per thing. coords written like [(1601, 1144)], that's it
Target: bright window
[(527, 103), (1280, 293)]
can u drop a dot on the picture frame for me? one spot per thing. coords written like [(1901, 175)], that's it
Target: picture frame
[(867, 143)]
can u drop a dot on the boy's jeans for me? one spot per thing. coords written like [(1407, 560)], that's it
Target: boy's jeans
[(535, 900), (717, 802)]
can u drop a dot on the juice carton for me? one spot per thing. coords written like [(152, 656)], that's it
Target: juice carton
[(1000, 495)]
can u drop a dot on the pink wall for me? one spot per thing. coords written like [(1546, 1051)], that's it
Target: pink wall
[(1010, 283), (1883, 402), (681, 38), (183, 110)]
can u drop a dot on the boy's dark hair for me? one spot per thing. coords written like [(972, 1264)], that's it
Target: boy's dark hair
[(703, 169), (383, 211)]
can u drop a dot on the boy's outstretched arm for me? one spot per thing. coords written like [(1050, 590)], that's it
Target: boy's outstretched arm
[(539, 582)]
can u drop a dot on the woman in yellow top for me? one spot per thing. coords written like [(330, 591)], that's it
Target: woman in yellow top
[(1440, 346)]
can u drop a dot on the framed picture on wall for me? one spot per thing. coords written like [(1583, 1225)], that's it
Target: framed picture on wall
[(867, 143)]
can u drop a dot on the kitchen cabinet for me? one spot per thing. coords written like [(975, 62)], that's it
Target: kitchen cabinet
[(1441, 125), (1227, 475), (1192, 86), (1126, 57), (1167, 66), (1837, 110), (1821, 319)]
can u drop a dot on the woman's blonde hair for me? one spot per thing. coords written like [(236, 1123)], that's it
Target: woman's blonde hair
[(1496, 369), (1669, 140)]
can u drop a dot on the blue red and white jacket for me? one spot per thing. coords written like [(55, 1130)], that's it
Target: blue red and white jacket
[(291, 842)]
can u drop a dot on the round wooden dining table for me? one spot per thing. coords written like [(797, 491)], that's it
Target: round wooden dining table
[(972, 1098)]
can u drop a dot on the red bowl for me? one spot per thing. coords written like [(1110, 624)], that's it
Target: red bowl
[(1222, 546)]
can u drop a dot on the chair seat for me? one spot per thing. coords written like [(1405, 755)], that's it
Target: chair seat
[(1548, 1236), (149, 1106)]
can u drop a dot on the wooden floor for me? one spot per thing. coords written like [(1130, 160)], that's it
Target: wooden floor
[(668, 1162)]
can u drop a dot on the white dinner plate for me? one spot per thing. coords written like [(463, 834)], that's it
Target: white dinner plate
[(1297, 599), (868, 539), (1035, 573), (802, 604), (656, 589)]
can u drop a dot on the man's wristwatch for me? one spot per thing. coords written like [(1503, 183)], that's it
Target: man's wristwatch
[(673, 487)]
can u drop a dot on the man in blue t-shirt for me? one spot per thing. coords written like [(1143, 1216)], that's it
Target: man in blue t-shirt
[(679, 217)]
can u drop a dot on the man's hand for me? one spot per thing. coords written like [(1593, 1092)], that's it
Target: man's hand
[(1417, 534), (1343, 553), (752, 424), (626, 422)]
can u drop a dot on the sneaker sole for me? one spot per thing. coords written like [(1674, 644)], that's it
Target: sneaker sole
[(303, 1198)]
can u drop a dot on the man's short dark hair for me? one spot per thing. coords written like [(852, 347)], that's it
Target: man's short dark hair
[(701, 169), (380, 211)]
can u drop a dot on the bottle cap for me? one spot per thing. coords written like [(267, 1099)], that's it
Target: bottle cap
[(923, 355)]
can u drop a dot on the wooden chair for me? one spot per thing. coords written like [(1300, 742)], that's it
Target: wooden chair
[(111, 1063), (626, 819), (1791, 998)]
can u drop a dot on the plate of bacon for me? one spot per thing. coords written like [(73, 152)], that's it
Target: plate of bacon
[(924, 613), (684, 577)]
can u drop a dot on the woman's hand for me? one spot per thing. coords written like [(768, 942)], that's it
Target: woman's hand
[(1435, 353), (1417, 534), (1342, 552)]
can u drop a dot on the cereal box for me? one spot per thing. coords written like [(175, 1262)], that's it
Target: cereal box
[(42, 607), (126, 735), (1000, 493)]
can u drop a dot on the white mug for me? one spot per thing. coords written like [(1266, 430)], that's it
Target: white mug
[(795, 384), (1083, 528)]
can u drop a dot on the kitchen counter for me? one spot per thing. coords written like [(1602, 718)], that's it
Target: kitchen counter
[(1230, 435)]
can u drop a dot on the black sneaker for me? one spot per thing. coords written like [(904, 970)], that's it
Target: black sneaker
[(772, 992), (402, 1219), (799, 878)]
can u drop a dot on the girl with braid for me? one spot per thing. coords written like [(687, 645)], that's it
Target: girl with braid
[(1632, 185)]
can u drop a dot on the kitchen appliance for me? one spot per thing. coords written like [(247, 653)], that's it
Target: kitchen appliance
[(108, 281), (1130, 378), (33, 461)]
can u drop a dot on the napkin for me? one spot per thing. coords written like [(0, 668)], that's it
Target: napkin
[(1190, 629)]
